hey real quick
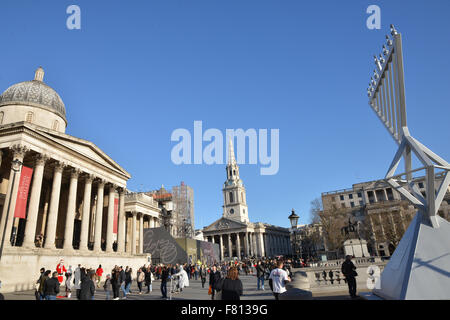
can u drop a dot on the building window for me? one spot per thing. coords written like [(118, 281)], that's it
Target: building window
[(359, 195), (231, 197), (29, 117), (242, 197), (421, 185), (352, 204), (231, 211), (342, 197), (350, 196), (361, 203)]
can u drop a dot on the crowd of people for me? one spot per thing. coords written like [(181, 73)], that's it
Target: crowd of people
[(223, 279)]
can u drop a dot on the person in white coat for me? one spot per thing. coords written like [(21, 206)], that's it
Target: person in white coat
[(69, 276), (77, 279), (184, 279)]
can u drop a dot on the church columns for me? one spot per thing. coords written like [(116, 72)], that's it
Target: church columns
[(54, 205), (261, 243), (238, 246), (71, 207), (230, 248), (86, 212), (122, 219), (246, 244), (33, 208), (99, 217), (110, 220), (221, 247)]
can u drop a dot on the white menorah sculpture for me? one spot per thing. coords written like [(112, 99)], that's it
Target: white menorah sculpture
[(420, 265)]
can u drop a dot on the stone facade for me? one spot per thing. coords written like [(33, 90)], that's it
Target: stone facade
[(76, 200)]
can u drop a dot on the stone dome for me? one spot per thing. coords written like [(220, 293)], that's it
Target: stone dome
[(34, 93)]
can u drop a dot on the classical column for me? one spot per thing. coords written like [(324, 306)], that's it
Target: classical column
[(255, 244), (86, 212), (152, 222), (18, 154), (133, 233), (141, 234), (110, 220), (122, 219), (33, 207), (230, 248), (246, 244), (238, 246), (52, 219), (261, 243), (213, 240), (221, 246), (99, 216), (71, 207)]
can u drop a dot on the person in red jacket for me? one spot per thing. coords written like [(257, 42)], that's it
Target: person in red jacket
[(61, 270), (98, 275)]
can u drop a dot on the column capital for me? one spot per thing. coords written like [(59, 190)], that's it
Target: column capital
[(134, 213), (75, 172), (19, 151), (122, 190), (88, 177), (58, 166), (113, 186), (41, 159), (101, 182)]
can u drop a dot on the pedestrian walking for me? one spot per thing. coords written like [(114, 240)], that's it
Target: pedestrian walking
[(183, 278), (214, 278), (69, 277), (107, 287), (260, 275), (349, 271), (140, 277), (148, 279), (128, 281), (51, 287), (164, 278), (279, 278), (87, 287), (42, 279), (98, 275), (203, 274), (115, 282), (231, 286)]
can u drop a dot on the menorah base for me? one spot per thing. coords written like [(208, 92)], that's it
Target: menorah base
[(419, 269)]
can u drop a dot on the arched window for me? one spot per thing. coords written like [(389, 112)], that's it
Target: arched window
[(29, 117), (2, 114), (231, 197), (55, 125)]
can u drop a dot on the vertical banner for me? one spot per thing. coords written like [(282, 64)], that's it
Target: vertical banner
[(116, 215), (22, 193)]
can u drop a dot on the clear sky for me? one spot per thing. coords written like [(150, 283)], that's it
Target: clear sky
[(138, 70)]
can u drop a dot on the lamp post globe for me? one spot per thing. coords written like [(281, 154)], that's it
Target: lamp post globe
[(293, 218)]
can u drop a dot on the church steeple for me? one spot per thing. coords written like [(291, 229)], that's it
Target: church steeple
[(234, 199)]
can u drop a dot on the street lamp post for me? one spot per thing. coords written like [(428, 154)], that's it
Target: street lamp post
[(15, 166), (293, 218)]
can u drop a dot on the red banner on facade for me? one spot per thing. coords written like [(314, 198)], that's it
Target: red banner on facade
[(116, 215), (22, 193)]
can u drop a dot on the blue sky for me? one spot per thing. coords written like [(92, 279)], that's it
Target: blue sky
[(137, 70)]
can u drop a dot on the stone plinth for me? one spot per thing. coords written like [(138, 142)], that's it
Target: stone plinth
[(356, 248)]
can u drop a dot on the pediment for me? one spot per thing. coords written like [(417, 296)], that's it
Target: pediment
[(84, 148), (224, 224)]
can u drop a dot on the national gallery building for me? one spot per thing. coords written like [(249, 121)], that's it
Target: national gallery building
[(61, 197)]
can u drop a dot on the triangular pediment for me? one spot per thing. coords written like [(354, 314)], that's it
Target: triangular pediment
[(224, 224), (84, 148)]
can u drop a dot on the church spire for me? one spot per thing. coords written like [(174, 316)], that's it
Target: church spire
[(231, 158)]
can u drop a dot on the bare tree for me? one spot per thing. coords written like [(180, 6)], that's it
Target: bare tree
[(316, 208)]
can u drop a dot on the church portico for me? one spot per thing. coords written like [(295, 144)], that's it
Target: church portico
[(235, 234)]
